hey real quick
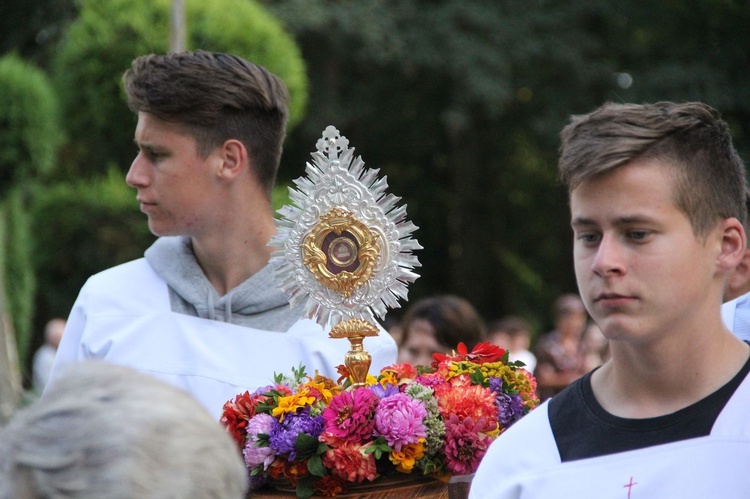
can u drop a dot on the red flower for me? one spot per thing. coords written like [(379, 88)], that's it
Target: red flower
[(236, 414), (349, 462), (404, 371), (486, 352), (343, 373), (330, 486), (483, 352)]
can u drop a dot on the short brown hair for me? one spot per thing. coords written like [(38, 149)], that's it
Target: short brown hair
[(216, 97), (691, 138), (512, 325), (453, 318)]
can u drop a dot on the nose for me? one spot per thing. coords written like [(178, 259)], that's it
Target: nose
[(609, 258), (137, 174)]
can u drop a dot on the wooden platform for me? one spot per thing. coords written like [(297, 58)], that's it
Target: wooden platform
[(400, 487)]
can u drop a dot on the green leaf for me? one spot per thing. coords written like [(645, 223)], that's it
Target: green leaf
[(305, 445), (477, 378), (315, 466), (506, 357), (305, 487), (299, 373), (378, 447)]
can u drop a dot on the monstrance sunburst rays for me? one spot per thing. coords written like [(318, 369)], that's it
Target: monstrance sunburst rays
[(344, 242)]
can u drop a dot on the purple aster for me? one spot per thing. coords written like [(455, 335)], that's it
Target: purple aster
[(384, 391), (496, 384), (257, 481), (264, 389), (510, 409), (399, 419), (283, 435)]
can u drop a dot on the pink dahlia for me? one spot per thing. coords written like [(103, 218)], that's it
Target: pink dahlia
[(399, 419), (350, 463), (465, 444), (350, 415)]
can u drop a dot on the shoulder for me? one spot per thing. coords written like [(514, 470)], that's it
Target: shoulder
[(526, 447), (122, 274), (133, 281)]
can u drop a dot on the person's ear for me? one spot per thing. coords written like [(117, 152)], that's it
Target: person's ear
[(738, 281), (234, 159), (733, 244)]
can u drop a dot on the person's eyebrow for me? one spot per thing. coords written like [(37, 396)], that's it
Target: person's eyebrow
[(620, 221)]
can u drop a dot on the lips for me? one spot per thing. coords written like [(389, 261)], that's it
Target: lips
[(612, 299), (145, 205)]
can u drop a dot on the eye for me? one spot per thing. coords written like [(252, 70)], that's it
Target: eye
[(638, 235), (588, 237)]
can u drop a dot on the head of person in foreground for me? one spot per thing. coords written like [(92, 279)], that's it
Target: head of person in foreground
[(106, 431)]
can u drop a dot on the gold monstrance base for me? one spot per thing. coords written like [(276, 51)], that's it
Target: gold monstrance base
[(357, 360)]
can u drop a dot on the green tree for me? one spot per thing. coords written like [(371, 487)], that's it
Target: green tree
[(29, 138), (461, 103), (81, 227), (108, 34), (29, 125)]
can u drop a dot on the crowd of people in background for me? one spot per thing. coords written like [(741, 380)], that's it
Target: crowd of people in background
[(558, 357)]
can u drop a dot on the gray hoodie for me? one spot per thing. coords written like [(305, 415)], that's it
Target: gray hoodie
[(255, 303)]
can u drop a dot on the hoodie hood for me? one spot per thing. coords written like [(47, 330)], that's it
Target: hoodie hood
[(190, 291)]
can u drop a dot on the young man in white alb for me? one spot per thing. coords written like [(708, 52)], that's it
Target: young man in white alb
[(657, 210), (201, 310)]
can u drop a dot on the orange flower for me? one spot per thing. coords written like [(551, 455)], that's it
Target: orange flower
[(409, 454), (474, 401)]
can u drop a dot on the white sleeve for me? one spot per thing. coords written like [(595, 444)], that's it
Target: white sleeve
[(727, 313)]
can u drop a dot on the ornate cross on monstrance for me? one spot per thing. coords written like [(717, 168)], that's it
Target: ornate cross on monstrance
[(346, 246)]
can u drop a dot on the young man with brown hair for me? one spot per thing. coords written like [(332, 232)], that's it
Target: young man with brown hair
[(657, 210), (201, 310)]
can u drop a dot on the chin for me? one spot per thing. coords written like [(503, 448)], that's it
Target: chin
[(161, 231)]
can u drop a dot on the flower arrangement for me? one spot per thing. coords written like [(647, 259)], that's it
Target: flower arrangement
[(323, 436)]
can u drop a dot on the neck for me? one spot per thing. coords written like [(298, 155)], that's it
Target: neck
[(237, 247), (655, 379)]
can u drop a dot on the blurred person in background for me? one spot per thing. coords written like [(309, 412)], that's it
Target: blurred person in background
[(44, 357), (738, 281), (513, 333), (437, 325), (559, 353), (595, 346)]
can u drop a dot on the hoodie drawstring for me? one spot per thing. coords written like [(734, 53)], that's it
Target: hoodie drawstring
[(211, 313), (228, 309)]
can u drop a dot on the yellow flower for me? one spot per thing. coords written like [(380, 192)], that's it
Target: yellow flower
[(325, 391), (494, 433), (387, 377), (371, 380), (407, 456), (291, 403)]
